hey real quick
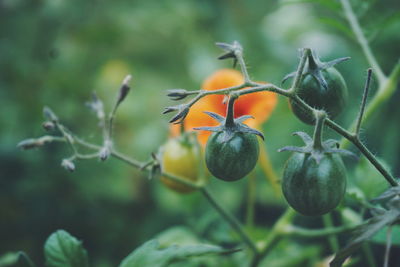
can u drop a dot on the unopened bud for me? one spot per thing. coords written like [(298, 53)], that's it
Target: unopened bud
[(104, 153), (49, 114), (30, 143), (177, 94), (124, 90), (48, 126), (68, 165)]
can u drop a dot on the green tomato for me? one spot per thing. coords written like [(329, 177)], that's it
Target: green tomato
[(231, 159), (331, 99), (181, 158), (313, 188)]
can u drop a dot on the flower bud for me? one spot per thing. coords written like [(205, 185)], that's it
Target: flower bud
[(48, 126), (68, 165)]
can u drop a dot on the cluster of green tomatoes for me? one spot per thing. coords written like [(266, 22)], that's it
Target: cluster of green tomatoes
[(314, 177)]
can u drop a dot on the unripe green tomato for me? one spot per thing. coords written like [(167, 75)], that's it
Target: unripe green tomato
[(313, 188), (332, 100), (232, 159), (183, 159)]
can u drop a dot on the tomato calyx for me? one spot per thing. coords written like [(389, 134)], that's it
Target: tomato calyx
[(229, 125), (316, 146), (315, 67), (328, 146), (231, 51)]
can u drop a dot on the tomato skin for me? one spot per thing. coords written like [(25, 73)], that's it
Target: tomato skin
[(232, 159), (183, 159), (314, 189), (332, 100)]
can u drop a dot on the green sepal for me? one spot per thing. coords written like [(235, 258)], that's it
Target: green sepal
[(238, 126), (315, 67), (328, 146)]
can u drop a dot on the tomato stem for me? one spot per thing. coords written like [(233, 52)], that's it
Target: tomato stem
[(230, 219), (332, 239), (320, 117), (230, 118), (299, 73)]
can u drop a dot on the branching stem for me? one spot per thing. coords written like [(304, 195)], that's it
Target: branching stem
[(355, 26), (320, 117), (256, 87), (230, 219)]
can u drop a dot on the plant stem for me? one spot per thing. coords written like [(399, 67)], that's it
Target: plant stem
[(269, 172), (369, 255), (299, 73), (295, 231), (332, 239), (320, 117), (363, 103), (251, 199), (229, 219), (355, 26), (384, 92), (239, 56), (123, 92), (230, 120), (388, 245), (276, 234), (364, 150), (390, 86), (137, 164)]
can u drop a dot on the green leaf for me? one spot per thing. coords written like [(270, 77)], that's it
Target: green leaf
[(177, 235), (368, 179), (63, 250), (380, 219), (152, 254)]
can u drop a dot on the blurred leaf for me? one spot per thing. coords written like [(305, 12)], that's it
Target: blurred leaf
[(177, 235), (300, 255), (17, 259), (340, 26), (388, 194), (380, 237), (368, 179), (380, 219), (378, 27), (63, 250), (152, 254), (330, 4)]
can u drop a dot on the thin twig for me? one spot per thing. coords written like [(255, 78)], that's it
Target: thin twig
[(388, 245), (363, 103), (385, 91), (296, 231), (274, 236), (332, 239), (230, 219), (299, 73)]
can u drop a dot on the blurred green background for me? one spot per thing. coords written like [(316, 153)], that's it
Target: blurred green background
[(57, 52)]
